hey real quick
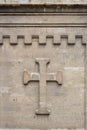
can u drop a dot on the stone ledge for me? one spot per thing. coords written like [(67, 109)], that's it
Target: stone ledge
[(43, 1), (39, 129)]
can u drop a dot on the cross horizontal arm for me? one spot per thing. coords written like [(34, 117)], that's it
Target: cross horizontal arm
[(30, 77), (56, 77)]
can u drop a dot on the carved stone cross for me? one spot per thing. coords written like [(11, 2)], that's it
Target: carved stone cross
[(42, 77)]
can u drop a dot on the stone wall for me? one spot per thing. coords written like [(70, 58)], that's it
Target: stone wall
[(63, 35)]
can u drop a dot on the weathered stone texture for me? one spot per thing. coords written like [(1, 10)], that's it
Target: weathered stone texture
[(43, 1), (33, 95)]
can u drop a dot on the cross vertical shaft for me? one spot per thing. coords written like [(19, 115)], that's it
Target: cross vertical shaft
[(42, 91)]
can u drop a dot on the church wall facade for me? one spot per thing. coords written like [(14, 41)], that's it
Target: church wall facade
[(43, 67)]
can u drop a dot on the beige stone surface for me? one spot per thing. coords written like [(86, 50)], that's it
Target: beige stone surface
[(19, 102), (43, 65), (43, 1)]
